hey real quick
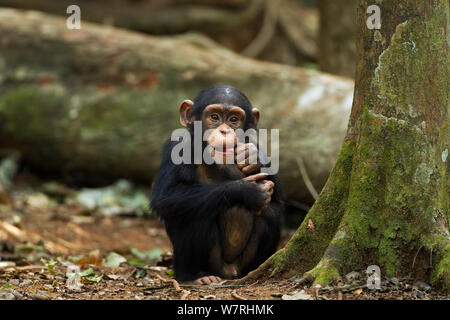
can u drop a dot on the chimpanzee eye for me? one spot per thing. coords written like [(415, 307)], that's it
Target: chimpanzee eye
[(234, 119), (214, 117)]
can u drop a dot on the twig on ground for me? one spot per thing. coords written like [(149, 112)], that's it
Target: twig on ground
[(13, 230), (308, 183), (236, 296), (176, 285), (174, 282)]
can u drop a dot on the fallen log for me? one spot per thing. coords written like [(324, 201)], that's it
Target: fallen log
[(97, 103)]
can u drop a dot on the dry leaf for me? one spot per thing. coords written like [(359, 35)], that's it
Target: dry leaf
[(358, 291)]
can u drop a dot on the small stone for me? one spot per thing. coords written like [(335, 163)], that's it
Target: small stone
[(297, 295), (25, 283), (17, 294), (157, 268), (395, 281), (7, 264), (423, 286), (352, 276), (139, 284), (418, 294), (7, 296), (148, 280), (113, 276), (210, 296), (14, 282), (40, 296)]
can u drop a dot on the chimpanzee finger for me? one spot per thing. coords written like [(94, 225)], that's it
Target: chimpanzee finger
[(268, 183), (251, 168), (255, 177), (246, 154), (239, 151)]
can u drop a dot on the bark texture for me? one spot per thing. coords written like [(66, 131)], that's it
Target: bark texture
[(386, 201), (97, 103), (337, 49)]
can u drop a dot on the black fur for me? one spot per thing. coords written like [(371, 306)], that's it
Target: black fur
[(189, 208)]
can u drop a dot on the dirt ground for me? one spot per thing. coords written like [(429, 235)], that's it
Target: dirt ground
[(40, 239)]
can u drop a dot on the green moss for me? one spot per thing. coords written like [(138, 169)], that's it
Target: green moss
[(417, 52), (307, 246), (324, 273), (277, 262)]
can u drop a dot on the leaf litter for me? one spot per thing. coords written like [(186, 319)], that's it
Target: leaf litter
[(60, 243)]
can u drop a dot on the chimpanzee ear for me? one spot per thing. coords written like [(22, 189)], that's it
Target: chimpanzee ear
[(185, 113), (255, 112)]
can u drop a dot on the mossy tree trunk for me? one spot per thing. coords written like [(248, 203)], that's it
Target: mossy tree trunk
[(337, 50), (386, 201)]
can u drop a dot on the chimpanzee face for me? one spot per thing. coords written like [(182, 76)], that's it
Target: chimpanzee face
[(222, 110), (220, 123)]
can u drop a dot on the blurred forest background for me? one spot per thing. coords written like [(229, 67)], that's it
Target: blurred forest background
[(84, 113), (124, 91)]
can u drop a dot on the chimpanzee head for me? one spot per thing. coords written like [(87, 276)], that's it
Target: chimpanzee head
[(223, 95), (222, 110)]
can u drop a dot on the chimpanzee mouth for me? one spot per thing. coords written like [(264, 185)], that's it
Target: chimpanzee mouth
[(224, 150)]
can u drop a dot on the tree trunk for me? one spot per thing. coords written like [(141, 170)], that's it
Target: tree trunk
[(337, 50), (386, 201), (97, 103)]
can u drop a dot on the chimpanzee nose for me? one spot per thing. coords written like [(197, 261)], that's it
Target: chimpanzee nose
[(224, 130)]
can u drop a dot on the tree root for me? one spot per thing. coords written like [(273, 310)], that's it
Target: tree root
[(324, 273)]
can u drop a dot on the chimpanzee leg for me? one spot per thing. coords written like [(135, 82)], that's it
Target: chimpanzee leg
[(260, 246)]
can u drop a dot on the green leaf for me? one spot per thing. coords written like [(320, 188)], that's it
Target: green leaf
[(87, 272), (50, 265), (29, 251), (170, 273), (94, 278), (135, 262), (8, 286), (153, 255), (140, 273), (114, 260)]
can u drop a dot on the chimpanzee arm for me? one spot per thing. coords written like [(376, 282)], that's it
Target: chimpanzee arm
[(200, 201), (178, 195)]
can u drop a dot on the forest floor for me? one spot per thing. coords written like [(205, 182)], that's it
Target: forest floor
[(59, 243)]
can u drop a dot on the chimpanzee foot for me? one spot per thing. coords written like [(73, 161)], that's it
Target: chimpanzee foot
[(229, 271), (207, 280)]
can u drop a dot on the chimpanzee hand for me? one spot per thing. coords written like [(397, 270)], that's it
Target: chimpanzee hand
[(266, 187), (246, 157)]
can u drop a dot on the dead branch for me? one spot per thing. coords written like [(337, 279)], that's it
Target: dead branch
[(236, 296), (306, 180), (267, 31)]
